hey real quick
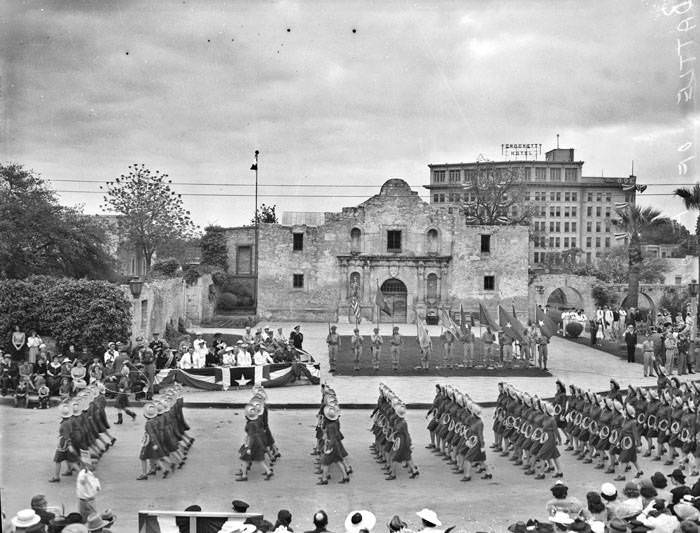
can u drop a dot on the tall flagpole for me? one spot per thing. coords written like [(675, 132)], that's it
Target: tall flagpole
[(257, 216)]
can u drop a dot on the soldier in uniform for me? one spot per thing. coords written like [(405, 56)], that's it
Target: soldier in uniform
[(395, 349), (468, 346), (356, 343), (447, 340), (160, 351), (333, 342), (376, 342), (148, 360)]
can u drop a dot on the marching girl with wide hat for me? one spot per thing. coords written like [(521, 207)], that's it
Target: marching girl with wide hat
[(333, 451), (499, 416), (688, 432), (628, 443), (152, 451), (253, 449), (652, 417), (475, 438), (674, 441), (605, 422), (664, 420), (549, 439), (402, 445), (534, 434)]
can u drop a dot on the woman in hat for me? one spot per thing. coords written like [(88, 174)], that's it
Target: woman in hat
[(360, 521), (674, 441), (548, 452), (152, 452), (253, 449), (122, 400), (402, 445), (476, 454), (687, 435), (333, 450), (628, 443)]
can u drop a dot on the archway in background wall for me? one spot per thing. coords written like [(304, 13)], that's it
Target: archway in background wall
[(645, 303), (396, 296), (564, 299)]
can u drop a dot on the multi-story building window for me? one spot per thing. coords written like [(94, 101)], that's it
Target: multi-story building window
[(574, 197), (551, 211), (567, 211), (573, 226), (566, 242), (551, 242), (607, 212), (588, 242), (298, 242), (608, 197), (528, 174), (597, 227), (455, 176), (557, 242), (551, 196), (393, 241), (489, 283), (469, 176), (540, 174), (589, 226), (599, 197), (555, 174), (569, 174), (435, 198), (557, 210), (566, 227), (551, 227), (573, 242), (607, 227), (298, 281), (558, 227), (439, 176), (589, 211), (597, 242), (558, 197), (590, 196), (598, 211), (607, 242), (573, 211)]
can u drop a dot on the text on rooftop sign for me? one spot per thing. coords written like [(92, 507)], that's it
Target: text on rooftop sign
[(521, 149)]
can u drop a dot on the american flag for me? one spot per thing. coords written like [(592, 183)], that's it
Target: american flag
[(356, 309)]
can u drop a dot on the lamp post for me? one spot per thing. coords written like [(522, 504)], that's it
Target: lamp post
[(695, 304), (135, 286)]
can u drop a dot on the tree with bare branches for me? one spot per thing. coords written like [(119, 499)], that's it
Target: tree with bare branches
[(496, 196)]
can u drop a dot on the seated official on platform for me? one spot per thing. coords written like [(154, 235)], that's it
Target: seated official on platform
[(261, 357), (243, 357)]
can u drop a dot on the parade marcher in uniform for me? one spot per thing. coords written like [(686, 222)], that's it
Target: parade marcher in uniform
[(122, 400), (548, 452), (376, 342), (628, 442), (333, 451), (401, 444), (296, 338), (333, 342), (65, 451), (395, 348), (160, 351), (252, 451), (448, 339), (468, 346), (356, 343)]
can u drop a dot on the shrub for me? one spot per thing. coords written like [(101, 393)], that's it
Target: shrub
[(81, 312), (168, 267), (214, 248), (228, 302), (574, 329)]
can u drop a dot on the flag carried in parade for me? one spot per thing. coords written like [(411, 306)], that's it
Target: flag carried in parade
[(510, 325), (486, 319), (355, 304), (422, 333), (449, 323), (547, 326), (463, 320), (381, 302)]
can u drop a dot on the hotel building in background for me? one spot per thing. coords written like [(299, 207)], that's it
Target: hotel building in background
[(570, 210)]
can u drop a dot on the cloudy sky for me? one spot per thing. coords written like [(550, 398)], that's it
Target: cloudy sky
[(333, 93)]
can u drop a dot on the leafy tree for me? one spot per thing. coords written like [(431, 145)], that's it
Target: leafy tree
[(634, 219), (495, 196), (39, 236), (266, 215), (214, 247), (691, 200), (603, 295), (666, 231), (152, 213)]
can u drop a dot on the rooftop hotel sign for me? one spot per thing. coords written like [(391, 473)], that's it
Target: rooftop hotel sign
[(524, 150)]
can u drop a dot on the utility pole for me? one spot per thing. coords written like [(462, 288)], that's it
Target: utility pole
[(257, 224)]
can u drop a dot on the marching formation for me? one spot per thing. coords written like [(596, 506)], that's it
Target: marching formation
[(329, 439), (392, 442), (83, 433), (525, 428), (258, 445), (457, 432), (165, 440)]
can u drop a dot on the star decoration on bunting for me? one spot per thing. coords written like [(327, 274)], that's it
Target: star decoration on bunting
[(243, 381), (509, 325), (541, 322)]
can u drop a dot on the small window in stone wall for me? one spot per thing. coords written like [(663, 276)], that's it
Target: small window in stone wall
[(489, 283), (144, 314), (298, 245), (355, 241), (393, 241), (431, 287), (298, 281), (432, 241)]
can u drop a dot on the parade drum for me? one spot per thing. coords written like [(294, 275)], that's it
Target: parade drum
[(586, 423), (472, 441), (557, 409), (527, 430), (594, 427), (605, 432), (663, 424), (458, 427), (651, 421), (627, 442), (516, 423), (544, 438), (397, 444), (675, 427), (578, 417), (614, 436), (640, 418), (509, 422), (445, 418), (451, 425), (537, 434)]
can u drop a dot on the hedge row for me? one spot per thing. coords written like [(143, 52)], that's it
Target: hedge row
[(81, 312)]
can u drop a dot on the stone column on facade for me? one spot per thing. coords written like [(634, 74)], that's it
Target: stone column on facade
[(365, 282), (343, 304), (420, 277), (444, 284)]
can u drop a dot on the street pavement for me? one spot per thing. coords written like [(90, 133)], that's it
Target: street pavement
[(28, 439)]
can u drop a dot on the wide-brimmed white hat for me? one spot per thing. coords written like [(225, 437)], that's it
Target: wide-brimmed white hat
[(236, 526), (357, 520), (429, 516), (26, 518), (560, 517)]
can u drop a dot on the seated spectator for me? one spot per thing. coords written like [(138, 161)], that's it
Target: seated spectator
[(261, 357), (659, 482), (608, 494), (284, 521), (647, 492), (186, 362), (228, 358), (40, 507), (53, 374), (679, 487), (9, 374), (595, 508), (686, 510), (27, 520), (320, 521), (243, 357), (688, 527), (41, 366), (631, 504), (658, 517), (212, 358), (562, 502)]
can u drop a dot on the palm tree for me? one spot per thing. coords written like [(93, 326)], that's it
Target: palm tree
[(691, 200), (634, 220)]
